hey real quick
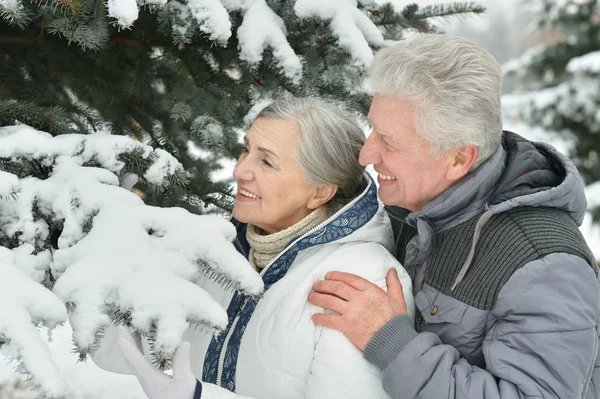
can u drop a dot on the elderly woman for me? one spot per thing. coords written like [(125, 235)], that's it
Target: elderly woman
[(304, 207)]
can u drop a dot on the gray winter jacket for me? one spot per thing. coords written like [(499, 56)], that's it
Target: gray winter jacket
[(506, 289)]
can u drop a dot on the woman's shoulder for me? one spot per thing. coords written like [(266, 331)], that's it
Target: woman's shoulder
[(375, 230), (370, 260)]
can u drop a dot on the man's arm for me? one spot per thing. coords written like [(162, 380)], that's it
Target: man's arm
[(542, 343)]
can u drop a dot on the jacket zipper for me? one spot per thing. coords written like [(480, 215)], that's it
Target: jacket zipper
[(226, 341), (241, 307)]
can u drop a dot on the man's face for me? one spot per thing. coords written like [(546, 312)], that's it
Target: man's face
[(410, 175)]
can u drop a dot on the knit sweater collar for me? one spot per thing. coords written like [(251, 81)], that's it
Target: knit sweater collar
[(265, 247)]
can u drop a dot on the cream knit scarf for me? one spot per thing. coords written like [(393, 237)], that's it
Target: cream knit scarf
[(264, 247)]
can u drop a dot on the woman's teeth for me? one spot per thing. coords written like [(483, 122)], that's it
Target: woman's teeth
[(249, 194)]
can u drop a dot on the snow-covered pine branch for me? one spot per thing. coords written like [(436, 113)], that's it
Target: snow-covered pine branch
[(117, 259), (355, 31), (262, 28), (24, 304)]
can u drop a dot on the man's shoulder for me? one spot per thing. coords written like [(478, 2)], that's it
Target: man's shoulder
[(535, 232), (508, 242)]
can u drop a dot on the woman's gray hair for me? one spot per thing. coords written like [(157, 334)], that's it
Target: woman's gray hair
[(330, 139), (454, 85)]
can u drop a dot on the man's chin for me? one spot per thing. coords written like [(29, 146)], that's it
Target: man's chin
[(388, 198)]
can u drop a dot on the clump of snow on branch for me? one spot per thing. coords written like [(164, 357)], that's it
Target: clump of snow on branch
[(212, 18), (259, 105), (24, 302), (575, 99), (588, 63), (356, 32), (519, 65), (262, 28), (85, 380), (209, 128), (116, 257), (9, 185), (125, 12)]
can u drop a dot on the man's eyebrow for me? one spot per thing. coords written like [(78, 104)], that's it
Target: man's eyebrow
[(379, 131)]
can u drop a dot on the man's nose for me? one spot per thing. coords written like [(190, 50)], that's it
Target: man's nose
[(370, 154)]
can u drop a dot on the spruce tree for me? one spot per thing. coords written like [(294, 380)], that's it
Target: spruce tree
[(558, 85), (182, 75), (176, 79)]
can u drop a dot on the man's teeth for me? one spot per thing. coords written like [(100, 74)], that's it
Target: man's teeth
[(249, 194), (386, 177)]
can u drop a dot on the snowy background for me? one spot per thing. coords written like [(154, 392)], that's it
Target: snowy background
[(501, 31)]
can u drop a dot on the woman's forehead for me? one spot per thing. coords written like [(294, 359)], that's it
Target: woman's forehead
[(272, 134)]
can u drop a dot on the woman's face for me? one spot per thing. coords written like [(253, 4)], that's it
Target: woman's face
[(272, 193)]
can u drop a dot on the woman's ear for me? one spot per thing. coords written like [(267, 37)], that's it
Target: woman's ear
[(322, 194)]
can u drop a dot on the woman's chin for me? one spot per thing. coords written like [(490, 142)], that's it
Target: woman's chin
[(239, 214)]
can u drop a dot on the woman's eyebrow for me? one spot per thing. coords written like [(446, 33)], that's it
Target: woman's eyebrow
[(262, 149), (267, 151)]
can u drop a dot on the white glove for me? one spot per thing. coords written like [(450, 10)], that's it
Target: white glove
[(156, 384)]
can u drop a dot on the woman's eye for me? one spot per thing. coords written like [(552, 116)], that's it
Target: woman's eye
[(267, 163)]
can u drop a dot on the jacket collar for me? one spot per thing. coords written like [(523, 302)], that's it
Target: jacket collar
[(339, 227)]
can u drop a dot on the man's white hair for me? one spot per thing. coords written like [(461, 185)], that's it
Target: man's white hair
[(454, 85)]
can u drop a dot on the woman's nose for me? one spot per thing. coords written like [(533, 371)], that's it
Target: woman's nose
[(370, 154), (243, 169)]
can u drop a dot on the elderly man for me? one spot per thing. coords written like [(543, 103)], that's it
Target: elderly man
[(485, 222)]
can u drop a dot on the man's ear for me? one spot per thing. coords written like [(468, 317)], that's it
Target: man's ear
[(323, 193), (461, 161)]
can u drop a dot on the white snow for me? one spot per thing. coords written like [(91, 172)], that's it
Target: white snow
[(9, 184), (212, 17), (589, 63), (575, 99), (520, 64), (11, 7), (24, 301), (209, 128), (262, 28), (259, 105), (163, 161), (355, 31), (124, 11), (115, 252), (84, 380)]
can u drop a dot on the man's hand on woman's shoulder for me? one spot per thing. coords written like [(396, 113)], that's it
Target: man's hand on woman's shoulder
[(363, 307)]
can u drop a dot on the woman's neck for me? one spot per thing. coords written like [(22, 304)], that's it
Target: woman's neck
[(265, 247)]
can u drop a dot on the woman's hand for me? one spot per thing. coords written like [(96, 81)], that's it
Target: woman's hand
[(156, 384)]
